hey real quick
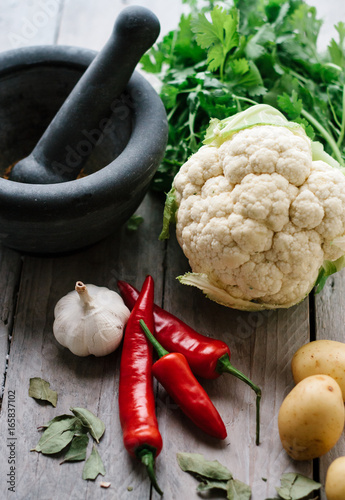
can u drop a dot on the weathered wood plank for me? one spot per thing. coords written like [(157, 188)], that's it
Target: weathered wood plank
[(329, 305), (262, 345), (330, 321), (10, 266), (85, 382), (21, 24)]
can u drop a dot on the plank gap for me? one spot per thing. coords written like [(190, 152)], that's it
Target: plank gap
[(316, 470), (164, 269), (9, 322), (312, 317)]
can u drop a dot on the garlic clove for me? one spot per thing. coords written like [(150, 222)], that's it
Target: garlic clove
[(90, 320)]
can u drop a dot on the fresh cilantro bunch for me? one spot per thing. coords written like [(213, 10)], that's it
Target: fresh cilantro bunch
[(227, 56)]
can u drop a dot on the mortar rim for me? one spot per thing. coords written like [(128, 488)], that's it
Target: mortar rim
[(105, 182)]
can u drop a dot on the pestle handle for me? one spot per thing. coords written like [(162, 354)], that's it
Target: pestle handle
[(63, 149)]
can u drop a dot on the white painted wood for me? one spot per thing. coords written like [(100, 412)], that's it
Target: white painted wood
[(24, 23), (330, 12), (89, 24)]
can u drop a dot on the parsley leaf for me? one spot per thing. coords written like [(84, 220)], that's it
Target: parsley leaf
[(337, 49), (290, 105), (225, 56), (219, 36)]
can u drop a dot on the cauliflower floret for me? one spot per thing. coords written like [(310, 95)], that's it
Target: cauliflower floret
[(250, 235), (327, 184), (306, 210), (265, 198), (255, 279), (215, 186), (257, 217), (257, 150), (196, 171)]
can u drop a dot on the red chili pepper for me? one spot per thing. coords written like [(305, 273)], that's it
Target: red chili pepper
[(207, 357), (173, 372), (141, 435)]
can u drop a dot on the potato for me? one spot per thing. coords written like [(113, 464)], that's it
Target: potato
[(335, 480), (320, 357), (311, 417)]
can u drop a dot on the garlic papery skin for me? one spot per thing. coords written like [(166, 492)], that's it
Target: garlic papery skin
[(90, 320)]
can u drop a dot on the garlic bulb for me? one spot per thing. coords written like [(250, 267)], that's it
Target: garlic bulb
[(90, 320)]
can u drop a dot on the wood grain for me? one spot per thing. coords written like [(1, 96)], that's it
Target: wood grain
[(262, 344), (89, 382), (330, 324), (10, 267)]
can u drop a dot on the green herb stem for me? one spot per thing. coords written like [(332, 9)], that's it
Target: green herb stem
[(326, 135), (244, 99), (221, 71), (297, 75), (172, 111), (334, 128), (335, 118), (342, 130)]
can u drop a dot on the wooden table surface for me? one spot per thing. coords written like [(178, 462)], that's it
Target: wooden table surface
[(262, 343)]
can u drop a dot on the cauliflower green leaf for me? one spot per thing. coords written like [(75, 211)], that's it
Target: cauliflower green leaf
[(169, 214), (219, 295), (327, 269), (220, 131)]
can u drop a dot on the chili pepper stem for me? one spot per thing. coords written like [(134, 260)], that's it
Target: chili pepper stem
[(159, 348), (147, 458), (225, 366)]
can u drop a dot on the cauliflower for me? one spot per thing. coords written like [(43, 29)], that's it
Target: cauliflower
[(260, 212)]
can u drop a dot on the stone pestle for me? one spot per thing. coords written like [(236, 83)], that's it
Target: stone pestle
[(89, 105)]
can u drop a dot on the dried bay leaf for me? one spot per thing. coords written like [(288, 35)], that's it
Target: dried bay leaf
[(296, 487), (70, 433), (57, 419), (77, 449), (80, 429), (238, 490), (213, 484), (93, 465), (93, 424), (213, 476), (56, 437), (40, 389), (196, 464)]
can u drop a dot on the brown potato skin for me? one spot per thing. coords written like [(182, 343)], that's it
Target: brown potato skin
[(325, 357), (311, 417)]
